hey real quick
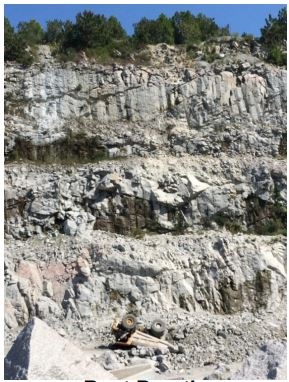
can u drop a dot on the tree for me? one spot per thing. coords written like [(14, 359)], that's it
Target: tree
[(31, 32), (274, 37), (69, 35), (9, 40), (114, 29), (207, 26), (8, 34), (154, 31), (275, 31), (8, 29), (14, 46), (186, 29), (91, 31), (143, 31), (54, 31), (194, 29), (164, 29)]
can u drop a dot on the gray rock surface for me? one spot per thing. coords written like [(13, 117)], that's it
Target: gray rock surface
[(40, 353), (194, 272), (160, 194), (268, 362)]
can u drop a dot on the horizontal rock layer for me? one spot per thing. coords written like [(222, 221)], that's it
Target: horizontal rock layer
[(220, 273), (203, 109), (164, 194)]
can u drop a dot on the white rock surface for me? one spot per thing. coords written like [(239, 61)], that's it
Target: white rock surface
[(199, 109), (41, 353)]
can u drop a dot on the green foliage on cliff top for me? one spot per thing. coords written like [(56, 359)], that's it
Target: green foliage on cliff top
[(15, 47), (102, 36)]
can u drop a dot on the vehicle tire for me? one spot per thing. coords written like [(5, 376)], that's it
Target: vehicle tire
[(128, 322), (158, 328)]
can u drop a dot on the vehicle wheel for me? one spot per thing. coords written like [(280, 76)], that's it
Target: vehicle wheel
[(128, 322), (158, 328)]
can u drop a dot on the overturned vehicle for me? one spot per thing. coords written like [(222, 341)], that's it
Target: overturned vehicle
[(129, 332)]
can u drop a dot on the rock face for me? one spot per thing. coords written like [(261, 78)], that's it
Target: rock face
[(41, 353), (193, 272), (156, 190), (203, 109), (73, 113)]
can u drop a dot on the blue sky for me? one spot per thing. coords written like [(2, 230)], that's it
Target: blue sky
[(247, 18)]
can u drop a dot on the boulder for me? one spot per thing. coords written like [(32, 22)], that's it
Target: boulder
[(39, 352)]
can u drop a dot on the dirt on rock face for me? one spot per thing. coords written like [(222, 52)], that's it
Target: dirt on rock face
[(156, 190)]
